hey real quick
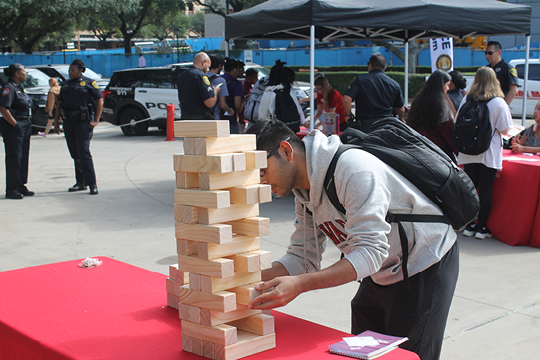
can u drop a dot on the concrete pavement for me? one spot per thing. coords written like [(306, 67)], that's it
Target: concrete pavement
[(495, 313)]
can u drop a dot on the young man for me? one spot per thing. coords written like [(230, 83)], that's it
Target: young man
[(216, 66), (368, 189)]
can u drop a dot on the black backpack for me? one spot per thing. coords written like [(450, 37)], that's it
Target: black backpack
[(286, 110), (421, 162), (472, 130)]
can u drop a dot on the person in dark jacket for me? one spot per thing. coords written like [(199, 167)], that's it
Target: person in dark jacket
[(16, 129), (76, 100), (455, 86)]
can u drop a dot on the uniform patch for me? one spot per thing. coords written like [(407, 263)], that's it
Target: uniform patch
[(513, 72), (82, 83), (5, 92), (206, 80), (95, 84)]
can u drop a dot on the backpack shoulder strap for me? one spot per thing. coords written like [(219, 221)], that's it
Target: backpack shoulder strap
[(213, 77), (329, 184)]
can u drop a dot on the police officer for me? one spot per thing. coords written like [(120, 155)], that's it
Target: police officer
[(376, 95), (506, 74), (16, 129), (197, 97), (80, 117)]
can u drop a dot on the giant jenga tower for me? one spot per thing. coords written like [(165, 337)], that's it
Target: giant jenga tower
[(216, 210)]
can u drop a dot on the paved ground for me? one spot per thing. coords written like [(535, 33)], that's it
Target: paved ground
[(495, 313)]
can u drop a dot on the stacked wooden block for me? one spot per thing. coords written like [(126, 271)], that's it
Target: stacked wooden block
[(216, 210)]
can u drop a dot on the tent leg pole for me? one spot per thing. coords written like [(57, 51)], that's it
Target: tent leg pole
[(312, 77), (406, 80), (525, 80), (227, 48)]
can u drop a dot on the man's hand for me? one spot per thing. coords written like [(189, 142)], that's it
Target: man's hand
[(286, 289)]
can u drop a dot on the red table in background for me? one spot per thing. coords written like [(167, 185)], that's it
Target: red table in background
[(515, 210), (119, 311)]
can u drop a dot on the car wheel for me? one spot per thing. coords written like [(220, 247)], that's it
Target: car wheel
[(131, 116)]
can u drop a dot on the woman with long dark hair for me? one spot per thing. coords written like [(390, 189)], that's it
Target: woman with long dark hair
[(16, 129), (482, 168), (432, 113)]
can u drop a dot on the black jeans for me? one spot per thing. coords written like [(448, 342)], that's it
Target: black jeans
[(78, 136), (419, 313), (483, 179), (17, 146)]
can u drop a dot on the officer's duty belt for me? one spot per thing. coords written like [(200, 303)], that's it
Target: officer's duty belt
[(72, 113)]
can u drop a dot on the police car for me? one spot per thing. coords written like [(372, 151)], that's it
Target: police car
[(133, 95)]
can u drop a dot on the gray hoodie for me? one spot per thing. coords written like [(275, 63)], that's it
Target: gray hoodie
[(368, 189)]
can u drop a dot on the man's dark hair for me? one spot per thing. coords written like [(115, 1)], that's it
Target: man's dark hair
[(252, 71), (496, 44), (216, 60), (270, 133), (79, 64), (378, 61), (230, 65)]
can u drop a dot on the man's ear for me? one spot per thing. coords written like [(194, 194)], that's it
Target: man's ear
[(288, 150)]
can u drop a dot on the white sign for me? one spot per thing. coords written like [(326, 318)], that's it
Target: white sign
[(248, 56), (442, 54)]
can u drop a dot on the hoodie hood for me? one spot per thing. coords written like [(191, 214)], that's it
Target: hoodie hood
[(321, 151)]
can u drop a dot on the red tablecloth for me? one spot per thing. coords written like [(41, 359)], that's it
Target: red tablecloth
[(515, 210), (119, 311)]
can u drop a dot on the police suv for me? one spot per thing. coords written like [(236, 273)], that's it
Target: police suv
[(134, 95)]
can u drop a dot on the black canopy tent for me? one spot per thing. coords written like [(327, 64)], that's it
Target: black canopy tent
[(401, 20)]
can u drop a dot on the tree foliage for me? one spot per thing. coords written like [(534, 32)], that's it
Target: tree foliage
[(214, 6)]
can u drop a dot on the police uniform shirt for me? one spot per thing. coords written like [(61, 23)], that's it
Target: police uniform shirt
[(79, 92), (506, 75), (193, 89), (15, 98), (375, 95)]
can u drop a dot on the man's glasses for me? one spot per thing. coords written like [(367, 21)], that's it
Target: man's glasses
[(489, 52), (263, 171)]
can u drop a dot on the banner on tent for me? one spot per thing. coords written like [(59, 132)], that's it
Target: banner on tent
[(442, 54)]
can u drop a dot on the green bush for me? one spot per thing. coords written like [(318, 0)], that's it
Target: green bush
[(341, 80)]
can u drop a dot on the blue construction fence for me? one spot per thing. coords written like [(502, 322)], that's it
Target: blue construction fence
[(106, 62)]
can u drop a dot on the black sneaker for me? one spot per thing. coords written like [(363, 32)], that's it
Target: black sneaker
[(24, 190), (470, 230), (77, 187), (14, 195), (484, 233)]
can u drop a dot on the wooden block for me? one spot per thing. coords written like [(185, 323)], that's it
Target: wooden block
[(245, 194), (216, 233), (197, 347), (255, 159), (239, 162), (195, 315), (208, 349), (172, 287), (201, 128), (195, 281), (186, 214), (240, 244), (254, 226), (265, 193), (209, 181), (220, 268), (265, 258), (246, 293), (216, 199), (186, 248), (223, 301), (187, 343), (213, 317), (234, 212), (183, 311), (212, 284), (222, 334), (189, 146), (181, 277), (222, 163), (187, 180), (247, 344), (267, 312), (172, 301), (246, 262), (232, 143), (259, 324)]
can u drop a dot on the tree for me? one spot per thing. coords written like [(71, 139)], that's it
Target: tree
[(214, 6), (13, 16), (197, 23), (163, 27), (414, 49)]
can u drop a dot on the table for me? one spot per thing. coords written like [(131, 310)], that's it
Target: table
[(515, 210), (119, 311)]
